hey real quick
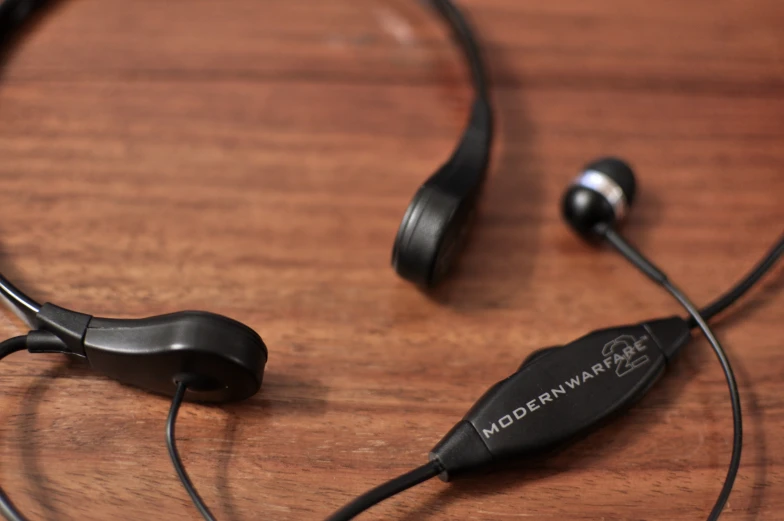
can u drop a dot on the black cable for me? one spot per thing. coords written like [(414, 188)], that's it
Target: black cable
[(175, 456), (737, 419), (655, 274), (737, 291), (11, 513), (465, 38), (17, 299), (351, 510), (14, 13), (387, 490), (7, 508)]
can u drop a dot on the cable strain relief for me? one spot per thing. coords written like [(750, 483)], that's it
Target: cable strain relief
[(671, 334), (40, 341), (461, 451), (68, 326)]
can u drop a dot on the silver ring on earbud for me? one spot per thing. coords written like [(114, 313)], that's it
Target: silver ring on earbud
[(605, 185)]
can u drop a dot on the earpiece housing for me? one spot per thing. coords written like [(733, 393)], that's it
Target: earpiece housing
[(221, 359), (600, 196), (438, 218)]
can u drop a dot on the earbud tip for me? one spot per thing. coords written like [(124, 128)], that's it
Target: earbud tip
[(620, 172)]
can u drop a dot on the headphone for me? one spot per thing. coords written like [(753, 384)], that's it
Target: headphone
[(207, 357), (222, 359)]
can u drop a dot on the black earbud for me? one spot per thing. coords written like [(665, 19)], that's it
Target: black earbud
[(437, 220), (601, 195)]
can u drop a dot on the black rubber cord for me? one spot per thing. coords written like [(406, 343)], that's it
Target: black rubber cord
[(387, 490), (7, 508), (175, 456), (18, 300), (655, 274), (10, 512), (737, 418), (465, 38), (349, 511), (745, 284)]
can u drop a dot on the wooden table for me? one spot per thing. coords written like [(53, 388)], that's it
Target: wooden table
[(255, 158)]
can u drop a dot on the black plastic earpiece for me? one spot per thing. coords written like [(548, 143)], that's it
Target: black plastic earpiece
[(437, 220), (601, 195), (221, 359)]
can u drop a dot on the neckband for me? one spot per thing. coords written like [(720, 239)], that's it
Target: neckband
[(434, 225)]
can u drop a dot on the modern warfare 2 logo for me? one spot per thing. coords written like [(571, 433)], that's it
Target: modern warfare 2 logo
[(625, 351)]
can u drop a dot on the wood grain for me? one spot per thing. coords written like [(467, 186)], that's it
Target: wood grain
[(255, 158)]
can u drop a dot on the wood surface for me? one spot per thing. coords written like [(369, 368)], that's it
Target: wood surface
[(255, 158)]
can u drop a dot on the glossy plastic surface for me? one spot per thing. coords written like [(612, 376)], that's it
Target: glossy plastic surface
[(560, 394), (437, 220), (221, 359), (620, 172)]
